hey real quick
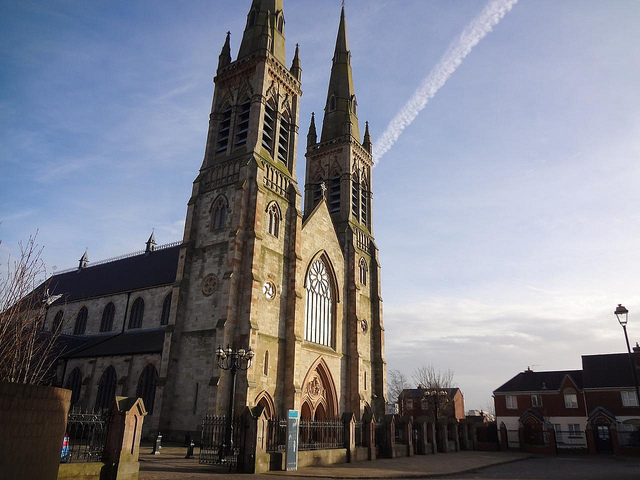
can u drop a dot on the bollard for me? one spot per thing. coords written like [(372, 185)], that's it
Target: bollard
[(190, 449), (157, 445)]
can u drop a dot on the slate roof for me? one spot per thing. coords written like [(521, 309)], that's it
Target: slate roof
[(127, 274), (127, 343), (530, 381), (609, 370)]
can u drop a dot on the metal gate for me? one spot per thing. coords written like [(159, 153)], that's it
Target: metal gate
[(213, 450)]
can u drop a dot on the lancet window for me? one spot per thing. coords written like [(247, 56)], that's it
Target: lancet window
[(106, 389), (334, 194), (166, 309), (81, 322), (363, 270), (274, 219), (74, 383), (242, 123), (223, 130), (137, 312), (57, 322), (219, 214), (355, 197), (283, 140), (319, 304), (268, 126), (147, 387), (106, 325), (364, 203)]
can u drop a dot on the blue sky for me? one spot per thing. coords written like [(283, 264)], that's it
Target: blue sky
[(506, 215)]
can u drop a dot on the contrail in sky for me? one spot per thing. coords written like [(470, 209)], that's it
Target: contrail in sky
[(475, 31)]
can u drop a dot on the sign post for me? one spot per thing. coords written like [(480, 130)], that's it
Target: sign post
[(293, 426)]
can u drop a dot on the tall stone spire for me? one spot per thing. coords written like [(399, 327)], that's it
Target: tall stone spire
[(264, 21), (225, 55), (340, 113), (295, 69), (312, 136), (366, 143)]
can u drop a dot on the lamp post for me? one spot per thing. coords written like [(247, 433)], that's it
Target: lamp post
[(622, 315), (232, 360), (436, 394)]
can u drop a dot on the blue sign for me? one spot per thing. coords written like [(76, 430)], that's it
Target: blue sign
[(293, 425)]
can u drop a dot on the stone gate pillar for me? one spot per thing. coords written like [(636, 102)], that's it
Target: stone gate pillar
[(123, 438)]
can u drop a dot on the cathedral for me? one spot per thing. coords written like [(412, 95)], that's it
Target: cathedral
[(297, 284)]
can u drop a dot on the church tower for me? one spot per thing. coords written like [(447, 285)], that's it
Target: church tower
[(235, 279), (339, 170)]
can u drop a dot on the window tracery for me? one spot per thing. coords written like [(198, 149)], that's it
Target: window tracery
[(274, 219), (319, 304), (81, 322), (218, 213), (106, 325), (137, 312)]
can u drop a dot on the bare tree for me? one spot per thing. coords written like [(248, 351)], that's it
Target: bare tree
[(396, 382), (27, 352), (437, 385)]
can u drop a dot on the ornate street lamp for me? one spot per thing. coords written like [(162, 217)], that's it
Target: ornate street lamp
[(436, 394), (622, 316), (232, 360)]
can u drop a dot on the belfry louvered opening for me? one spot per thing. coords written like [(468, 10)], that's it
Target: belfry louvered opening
[(268, 127), (242, 123), (223, 130), (283, 140)]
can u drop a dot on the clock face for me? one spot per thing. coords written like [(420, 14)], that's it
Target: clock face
[(269, 290), (209, 284)]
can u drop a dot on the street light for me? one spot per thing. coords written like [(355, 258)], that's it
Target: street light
[(231, 360), (622, 315), (436, 401)]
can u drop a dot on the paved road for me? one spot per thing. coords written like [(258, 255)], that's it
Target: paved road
[(561, 468)]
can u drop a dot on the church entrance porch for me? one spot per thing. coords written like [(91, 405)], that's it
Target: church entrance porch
[(319, 399)]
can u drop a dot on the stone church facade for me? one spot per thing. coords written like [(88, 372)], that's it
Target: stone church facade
[(299, 286)]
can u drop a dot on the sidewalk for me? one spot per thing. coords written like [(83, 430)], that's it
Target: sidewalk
[(171, 464)]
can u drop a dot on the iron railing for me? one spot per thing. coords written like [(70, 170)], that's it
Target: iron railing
[(276, 434), (85, 437), (321, 434), (212, 440)]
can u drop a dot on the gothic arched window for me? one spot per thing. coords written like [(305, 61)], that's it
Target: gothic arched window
[(147, 387), (283, 140), (280, 23), (166, 309), (334, 194), (56, 326), (364, 204), (274, 219), (363, 271), (319, 304), (106, 389), (242, 123), (81, 322), (106, 325), (219, 213), (269, 126), (354, 105), (74, 383), (137, 312), (355, 197), (224, 127)]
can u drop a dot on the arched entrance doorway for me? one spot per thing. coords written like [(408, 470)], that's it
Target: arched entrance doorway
[(265, 401), (319, 399)]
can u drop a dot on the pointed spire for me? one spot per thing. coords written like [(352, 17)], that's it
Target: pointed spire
[(366, 143), (312, 136), (84, 261), (295, 69), (151, 243), (264, 30), (340, 117), (225, 55)]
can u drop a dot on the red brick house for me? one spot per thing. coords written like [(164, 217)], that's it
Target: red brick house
[(594, 408)]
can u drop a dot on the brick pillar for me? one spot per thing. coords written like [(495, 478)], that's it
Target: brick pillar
[(123, 438), (423, 437), (591, 441), (253, 457), (443, 437), (615, 445), (390, 435), (349, 421), (456, 438), (369, 434), (551, 433), (473, 436), (408, 428), (464, 431), (504, 437)]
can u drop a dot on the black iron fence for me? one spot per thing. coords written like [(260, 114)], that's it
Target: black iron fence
[(321, 434), (213, 449), (276, 434), (85, 437)]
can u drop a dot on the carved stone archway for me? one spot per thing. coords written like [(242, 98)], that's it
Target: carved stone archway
[(319, 398), (264, 399)]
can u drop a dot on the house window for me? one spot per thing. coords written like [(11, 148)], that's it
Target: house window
[(363, 268), (147, 387), (223, 130), (242, 123), (319, 304), (629, 399), (57, 322), (558, 429), (268, 127), (81, 322), (166, 309), (536, 400), (106, 325), (106, 389), (512, 402), (570, 400), (219, 213), (574, 430), (274, 219), (137, 312)]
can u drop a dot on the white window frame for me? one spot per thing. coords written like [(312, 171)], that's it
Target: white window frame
[(511, 402), (574, 429), (536, 400), (570, 400), (629, 398)]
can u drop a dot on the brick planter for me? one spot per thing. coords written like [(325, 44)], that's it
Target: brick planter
[(33, 420)]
